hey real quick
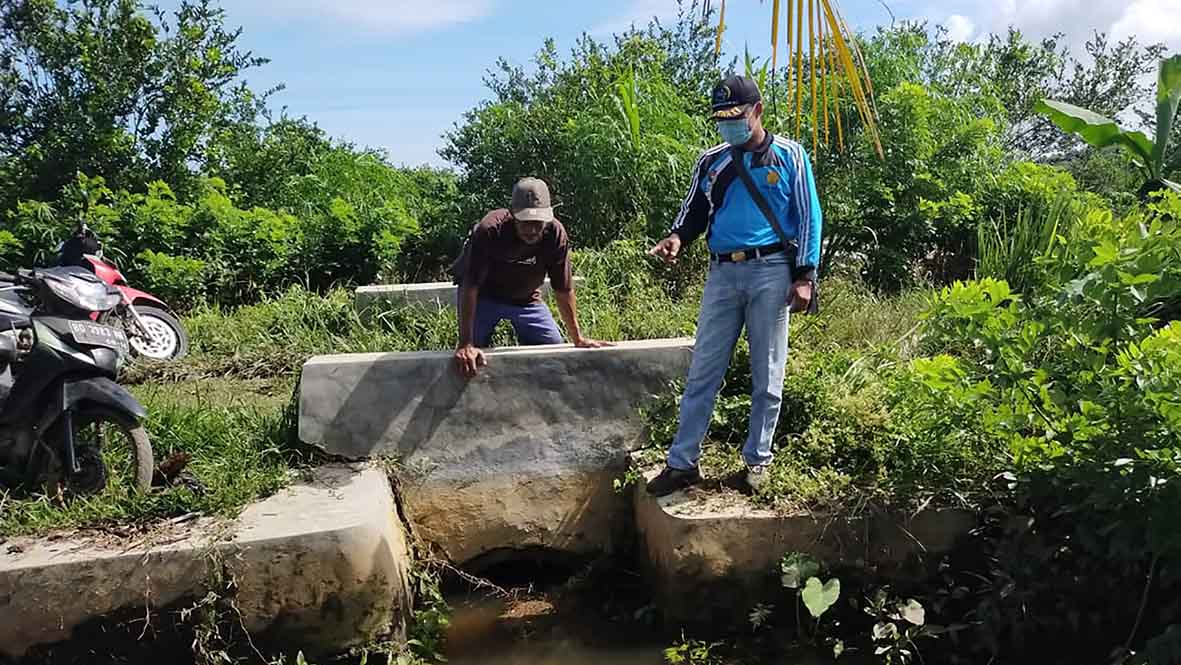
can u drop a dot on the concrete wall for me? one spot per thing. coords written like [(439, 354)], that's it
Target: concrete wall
[(712, 556), (321, 567), (521, 456), (439, 295)]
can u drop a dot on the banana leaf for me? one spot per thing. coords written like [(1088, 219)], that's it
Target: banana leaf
[(1168, 96), (1100, 131)]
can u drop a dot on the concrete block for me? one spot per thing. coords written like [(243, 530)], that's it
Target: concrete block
[(322, 566), (521, 456), (435, 295), (712, 556)]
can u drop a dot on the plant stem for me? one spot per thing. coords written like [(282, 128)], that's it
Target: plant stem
[(1143, 601)]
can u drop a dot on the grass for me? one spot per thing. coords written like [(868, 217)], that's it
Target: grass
[(239, 453)]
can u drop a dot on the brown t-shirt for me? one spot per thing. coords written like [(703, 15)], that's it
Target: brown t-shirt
[(508, 270)]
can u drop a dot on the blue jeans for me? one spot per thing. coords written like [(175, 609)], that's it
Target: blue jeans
[(533, 323), (752, 293)]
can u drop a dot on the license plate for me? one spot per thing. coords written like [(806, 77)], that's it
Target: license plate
[(94, 334)]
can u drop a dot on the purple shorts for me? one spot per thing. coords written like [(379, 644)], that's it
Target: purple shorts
[(533, 323)]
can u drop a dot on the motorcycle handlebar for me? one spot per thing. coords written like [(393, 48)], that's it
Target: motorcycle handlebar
[(19, 278)]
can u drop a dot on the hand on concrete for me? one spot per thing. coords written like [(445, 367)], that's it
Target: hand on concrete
[(469, 360), (667, 249), (800, 295), (587, 343)]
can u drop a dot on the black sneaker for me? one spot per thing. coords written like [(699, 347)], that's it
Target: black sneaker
[(671, 480)]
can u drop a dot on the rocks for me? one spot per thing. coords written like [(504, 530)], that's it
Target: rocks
[(521, 456), (322, 567), (711, 557)]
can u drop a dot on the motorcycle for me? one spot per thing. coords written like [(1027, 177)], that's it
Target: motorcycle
[(153, 330), (64, 422)]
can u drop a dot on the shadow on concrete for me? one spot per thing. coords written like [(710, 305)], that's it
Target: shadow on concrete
[(437, 398)]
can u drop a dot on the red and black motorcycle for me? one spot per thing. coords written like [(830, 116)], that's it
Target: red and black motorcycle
[(153, 329)]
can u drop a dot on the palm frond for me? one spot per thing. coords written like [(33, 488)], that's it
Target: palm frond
[(834, 61)]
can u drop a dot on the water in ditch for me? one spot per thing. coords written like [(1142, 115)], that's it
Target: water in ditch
[(547, 614)]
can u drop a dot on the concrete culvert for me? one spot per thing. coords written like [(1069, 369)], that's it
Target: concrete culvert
[(537, 568)]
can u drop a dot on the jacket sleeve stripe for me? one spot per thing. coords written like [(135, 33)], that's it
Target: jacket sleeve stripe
[(694, 186)]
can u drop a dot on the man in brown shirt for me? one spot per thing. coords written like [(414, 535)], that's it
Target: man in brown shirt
[(504, 263)]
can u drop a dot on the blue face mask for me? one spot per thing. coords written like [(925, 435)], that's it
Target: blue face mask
[(735, 132)]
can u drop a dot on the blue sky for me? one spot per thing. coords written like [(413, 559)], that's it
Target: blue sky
[(396, 74)]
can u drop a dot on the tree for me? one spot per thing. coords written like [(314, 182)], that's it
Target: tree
[(99, 87), (614, 130)]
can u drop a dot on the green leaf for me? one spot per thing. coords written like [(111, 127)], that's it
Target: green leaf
[(797, 568), (1168, 95), (884, 630), (913, 612), (818, 598), (1098, 131)]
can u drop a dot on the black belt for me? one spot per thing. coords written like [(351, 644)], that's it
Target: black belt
[(747, 254)]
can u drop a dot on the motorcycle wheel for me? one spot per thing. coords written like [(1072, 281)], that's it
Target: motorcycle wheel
[(113, 451), (168, 339)]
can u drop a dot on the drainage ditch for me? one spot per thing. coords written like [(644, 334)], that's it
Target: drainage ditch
[(538, 606)]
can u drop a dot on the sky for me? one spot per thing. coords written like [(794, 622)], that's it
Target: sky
[(397, 74)]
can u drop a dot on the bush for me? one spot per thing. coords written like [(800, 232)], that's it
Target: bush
[(1078, 382), (178, 281), (341, 233)]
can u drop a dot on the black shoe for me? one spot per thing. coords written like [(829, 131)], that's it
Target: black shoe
[(671, 480)]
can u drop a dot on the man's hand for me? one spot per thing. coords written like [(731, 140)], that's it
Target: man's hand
[(587, 343), (667, 249), (800, 296), (469, 360)]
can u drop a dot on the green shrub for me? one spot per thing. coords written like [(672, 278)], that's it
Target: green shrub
[(177, 280)]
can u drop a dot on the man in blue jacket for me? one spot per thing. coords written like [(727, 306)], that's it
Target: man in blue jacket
[(757, 273)]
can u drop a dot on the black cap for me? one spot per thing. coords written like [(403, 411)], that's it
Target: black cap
[(732, 96)]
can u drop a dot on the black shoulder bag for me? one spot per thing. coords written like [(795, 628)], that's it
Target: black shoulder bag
[(761, 202)]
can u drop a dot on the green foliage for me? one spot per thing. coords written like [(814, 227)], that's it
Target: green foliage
[(214, 250), (1153, 158), (612, 131), (176, 280), (693, 652), (898, 624), (139, 124), (819, 596), (429, 623), (1078, 379), (1016, 252), (102, 87)]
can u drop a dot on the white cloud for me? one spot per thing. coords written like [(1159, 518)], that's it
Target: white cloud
[(386, 16), (959, 28), (1149, 20)]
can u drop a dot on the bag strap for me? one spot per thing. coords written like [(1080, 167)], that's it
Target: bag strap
[(759, 199), (761, 202)]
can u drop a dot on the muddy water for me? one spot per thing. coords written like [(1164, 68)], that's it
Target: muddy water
[(536, 630), (545, 629)]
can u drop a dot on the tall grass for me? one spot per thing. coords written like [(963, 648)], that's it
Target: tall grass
[(1016, 251)]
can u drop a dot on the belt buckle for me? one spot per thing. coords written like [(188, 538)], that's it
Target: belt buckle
[(738, 257)]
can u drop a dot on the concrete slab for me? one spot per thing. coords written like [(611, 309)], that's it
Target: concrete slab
[(436, 295), (322, 566), (711, 556), (521, 456)]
